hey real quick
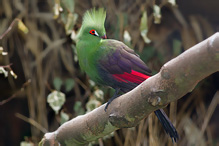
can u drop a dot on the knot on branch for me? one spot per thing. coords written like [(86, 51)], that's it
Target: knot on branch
[(155, 97), (154, 100), (165, 73), (122, 121)]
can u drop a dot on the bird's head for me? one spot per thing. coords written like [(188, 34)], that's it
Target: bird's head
[(93, 25)]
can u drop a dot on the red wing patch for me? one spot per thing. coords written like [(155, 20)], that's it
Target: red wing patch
[(134, 77)]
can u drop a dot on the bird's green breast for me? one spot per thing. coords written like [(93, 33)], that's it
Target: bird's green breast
[(88, 55)]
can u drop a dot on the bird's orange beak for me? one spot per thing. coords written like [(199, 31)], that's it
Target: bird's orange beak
[(104, 37)]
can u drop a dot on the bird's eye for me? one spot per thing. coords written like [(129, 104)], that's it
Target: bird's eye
[(93, 32)]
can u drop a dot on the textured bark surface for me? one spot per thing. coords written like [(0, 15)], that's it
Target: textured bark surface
[(176, 78)]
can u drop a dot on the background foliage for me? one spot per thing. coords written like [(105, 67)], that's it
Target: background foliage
[(48, 88)]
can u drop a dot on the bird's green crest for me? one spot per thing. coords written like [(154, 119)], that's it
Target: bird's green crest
[(94, 17)]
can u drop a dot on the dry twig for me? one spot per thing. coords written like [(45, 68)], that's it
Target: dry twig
[(15, 94)]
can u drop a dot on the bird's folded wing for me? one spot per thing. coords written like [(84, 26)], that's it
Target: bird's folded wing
[(123, 64)]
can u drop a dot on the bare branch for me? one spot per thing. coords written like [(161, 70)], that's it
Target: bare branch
[(32, 122), (9, 28), (15, 94), (176, 78)]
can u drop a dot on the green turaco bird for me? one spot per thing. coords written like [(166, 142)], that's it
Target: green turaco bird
[(111, 63)]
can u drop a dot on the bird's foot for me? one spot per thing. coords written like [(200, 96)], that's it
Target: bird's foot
[(112, 98)]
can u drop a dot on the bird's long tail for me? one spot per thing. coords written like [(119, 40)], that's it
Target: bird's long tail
[(167, 125)]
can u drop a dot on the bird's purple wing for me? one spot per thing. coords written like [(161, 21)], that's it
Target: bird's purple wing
[(123, 64)]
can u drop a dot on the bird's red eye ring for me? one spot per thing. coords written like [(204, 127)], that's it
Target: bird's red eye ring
[(92, 32)]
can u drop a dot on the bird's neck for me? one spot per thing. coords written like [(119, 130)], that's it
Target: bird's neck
[(87, 54)]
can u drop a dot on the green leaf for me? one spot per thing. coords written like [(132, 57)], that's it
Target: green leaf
[(144, 27), (70, 4), (2, 51), (92, 83), (22, 27), (160, 57), (74, 50), (68, 16), (64, 117), (176, 47), (56, 100), (172, 2), (69, 84), (3, 71), (127, 38), (25, 143), (99, 94), (92, 104), (57, 82), (157, 14), (57, 9), (71, 20), (147, 53), (78, 108)]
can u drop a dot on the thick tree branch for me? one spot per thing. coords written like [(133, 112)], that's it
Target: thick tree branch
[(176, 78)]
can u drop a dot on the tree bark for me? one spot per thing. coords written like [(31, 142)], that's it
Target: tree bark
[(176, 78)]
